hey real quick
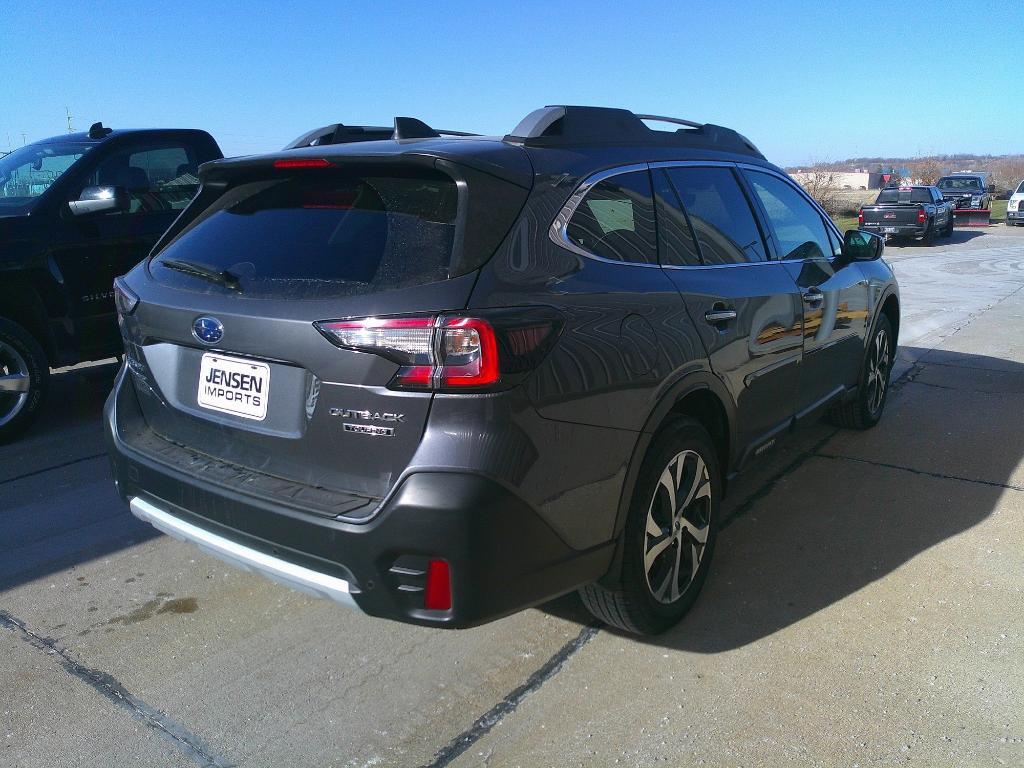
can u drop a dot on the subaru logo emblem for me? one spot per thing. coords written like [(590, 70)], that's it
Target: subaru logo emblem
[(208, 330)]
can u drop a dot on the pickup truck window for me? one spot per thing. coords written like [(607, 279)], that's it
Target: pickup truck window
[(968, 183), (28, 172), (914, 195), (158, 178)]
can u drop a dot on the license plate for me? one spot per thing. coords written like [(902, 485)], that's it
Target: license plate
[(890, 230), (231, 385)]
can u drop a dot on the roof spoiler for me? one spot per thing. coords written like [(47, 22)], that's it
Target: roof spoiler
[(555, 126), (339, 133)]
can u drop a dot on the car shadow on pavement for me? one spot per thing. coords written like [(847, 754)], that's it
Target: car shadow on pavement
[(850, 507), (58, 505)]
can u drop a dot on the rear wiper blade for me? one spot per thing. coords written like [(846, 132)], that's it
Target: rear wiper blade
[(221, 276)]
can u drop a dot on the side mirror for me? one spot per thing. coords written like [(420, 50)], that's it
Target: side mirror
[(859, 245), (100, 200), (991, 188)]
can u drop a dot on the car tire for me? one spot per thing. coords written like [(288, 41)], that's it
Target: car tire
[(865, 410), (929, 234), (949, 226), (669, 537), (24, 379)]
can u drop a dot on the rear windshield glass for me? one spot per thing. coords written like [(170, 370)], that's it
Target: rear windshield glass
[(341, 234), (915, 195)]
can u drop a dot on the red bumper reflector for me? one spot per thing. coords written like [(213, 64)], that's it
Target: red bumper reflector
[(438, 594)]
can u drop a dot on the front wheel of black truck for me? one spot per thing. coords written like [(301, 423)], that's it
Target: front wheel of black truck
[(24, 377)]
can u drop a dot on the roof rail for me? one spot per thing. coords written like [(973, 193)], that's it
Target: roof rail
[(555, 126), (339, 133)]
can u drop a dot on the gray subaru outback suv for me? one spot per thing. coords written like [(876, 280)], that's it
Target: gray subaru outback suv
[(442, 377)]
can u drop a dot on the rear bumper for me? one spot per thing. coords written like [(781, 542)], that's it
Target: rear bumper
[(502, 556), (902, 230)]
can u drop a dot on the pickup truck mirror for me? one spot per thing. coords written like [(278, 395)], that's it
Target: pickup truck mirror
[(991, 189), (100, 200), (859, 245)]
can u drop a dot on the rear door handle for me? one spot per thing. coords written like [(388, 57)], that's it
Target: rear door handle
[(720, 315)]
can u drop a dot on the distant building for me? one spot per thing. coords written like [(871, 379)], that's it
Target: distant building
[(847, 179)]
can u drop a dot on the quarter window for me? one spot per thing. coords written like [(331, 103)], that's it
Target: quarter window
[(798, 226), (616, 220), (720, 215)]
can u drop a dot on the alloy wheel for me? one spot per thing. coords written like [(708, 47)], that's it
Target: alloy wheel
[(678, 521), (15, 383), (878, 371)]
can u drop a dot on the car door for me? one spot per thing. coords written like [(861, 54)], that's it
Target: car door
[(90, 251), (745, 306), (834, 294)]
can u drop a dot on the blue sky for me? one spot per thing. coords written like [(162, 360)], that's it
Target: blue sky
[(804, 80)]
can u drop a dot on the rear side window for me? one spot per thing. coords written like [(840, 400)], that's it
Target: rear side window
[(888, 196), (720, 215), (798, 226), (921, 195), (341, 234), (616, 220)]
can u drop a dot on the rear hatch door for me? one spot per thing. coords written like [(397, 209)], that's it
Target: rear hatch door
[(228, 362)]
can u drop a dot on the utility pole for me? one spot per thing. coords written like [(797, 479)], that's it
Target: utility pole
[(67, 112)]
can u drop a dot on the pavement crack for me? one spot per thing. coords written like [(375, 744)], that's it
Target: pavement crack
[(483, 724), (107, 686), (923, 472), (35, 472)]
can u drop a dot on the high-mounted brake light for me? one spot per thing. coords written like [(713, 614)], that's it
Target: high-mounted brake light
[(303, 162), (447, 352)]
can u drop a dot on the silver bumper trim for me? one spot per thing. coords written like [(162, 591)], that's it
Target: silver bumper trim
[(287, 574)]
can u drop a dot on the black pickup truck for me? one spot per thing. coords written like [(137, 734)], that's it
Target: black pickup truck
[(913, 212), (76, 211)]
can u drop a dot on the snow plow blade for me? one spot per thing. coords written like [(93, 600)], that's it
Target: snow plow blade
[(972, 217)]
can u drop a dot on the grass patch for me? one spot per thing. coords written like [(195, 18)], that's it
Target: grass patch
[(845, 222)]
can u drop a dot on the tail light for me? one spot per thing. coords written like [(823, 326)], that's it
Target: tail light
[(125, 299), (921, 216), (860, 216), (452, 353)]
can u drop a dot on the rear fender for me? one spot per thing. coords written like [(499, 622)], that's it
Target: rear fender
[(691, 382)]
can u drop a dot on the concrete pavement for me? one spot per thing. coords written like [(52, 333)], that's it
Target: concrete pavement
[(864, 605)]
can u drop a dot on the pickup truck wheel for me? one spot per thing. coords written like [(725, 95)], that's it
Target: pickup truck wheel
[(24, 377), (929, 234), (866, 409), (669, 536), (948, 231)]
